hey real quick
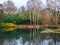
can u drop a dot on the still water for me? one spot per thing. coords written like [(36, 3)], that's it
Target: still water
[(29, 37)]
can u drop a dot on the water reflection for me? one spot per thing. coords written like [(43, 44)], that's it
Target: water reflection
[(29, 37)]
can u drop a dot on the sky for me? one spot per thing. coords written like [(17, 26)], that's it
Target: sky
[(19, 3)]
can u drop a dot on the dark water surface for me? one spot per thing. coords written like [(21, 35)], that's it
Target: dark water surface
[(29, 37)]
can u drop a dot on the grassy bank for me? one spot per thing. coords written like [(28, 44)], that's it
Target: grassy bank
[(11, 26)]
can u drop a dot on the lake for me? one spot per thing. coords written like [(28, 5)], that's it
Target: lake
[(28, 37)]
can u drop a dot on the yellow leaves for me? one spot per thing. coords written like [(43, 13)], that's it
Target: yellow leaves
[(9, 29), (10, 25)]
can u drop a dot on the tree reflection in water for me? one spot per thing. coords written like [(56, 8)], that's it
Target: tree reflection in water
[(23, 37)]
